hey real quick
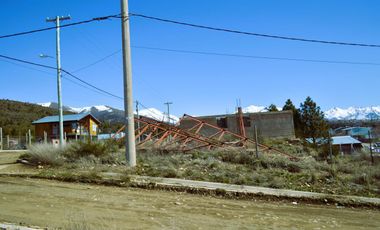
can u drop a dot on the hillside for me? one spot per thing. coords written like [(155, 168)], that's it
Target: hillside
[(16, 117)]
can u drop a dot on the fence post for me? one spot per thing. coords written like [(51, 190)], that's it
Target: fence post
[(1, 138), (256, 142), (30, 137), (45, 137), (9, 147)]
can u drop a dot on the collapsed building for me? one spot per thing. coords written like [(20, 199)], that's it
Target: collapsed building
[(268, 124)]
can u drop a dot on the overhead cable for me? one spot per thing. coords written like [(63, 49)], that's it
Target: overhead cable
[(253, 33), (61, 26), (254, 56), (65, 71)]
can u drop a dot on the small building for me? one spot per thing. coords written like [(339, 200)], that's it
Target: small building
[(360, 133), (75, 126), (346, 144), (269, 124)]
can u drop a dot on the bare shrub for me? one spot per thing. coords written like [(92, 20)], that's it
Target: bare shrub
[(82, 149), (45, 154)]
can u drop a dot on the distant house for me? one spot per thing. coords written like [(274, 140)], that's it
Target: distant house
[(360, 133), (76, 126), (346, 144)]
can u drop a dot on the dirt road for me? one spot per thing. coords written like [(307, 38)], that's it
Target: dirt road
[(81, 206)]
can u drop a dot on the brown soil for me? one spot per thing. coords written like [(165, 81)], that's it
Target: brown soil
[(82, 206)]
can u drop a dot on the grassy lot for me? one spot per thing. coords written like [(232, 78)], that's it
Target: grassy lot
[(350, 175)]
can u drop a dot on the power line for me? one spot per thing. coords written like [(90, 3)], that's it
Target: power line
[(48, 73), (79, 79), (255, 57), (98, 61), (91, 85), (28, 62), (65, 71), (255, 34), (66, 25)]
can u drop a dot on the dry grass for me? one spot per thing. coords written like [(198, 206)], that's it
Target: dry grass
[(349, 175), (45, 154)]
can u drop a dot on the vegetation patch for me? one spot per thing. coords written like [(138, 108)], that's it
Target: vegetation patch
[(349, 175)]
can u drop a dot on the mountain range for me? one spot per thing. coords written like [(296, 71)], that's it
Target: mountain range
[(336, 113), (107, 113)]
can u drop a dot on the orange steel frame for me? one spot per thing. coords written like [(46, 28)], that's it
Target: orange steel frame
[(164, 135)]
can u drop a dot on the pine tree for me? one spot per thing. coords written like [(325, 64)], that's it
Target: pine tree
[(296, 117), (272, 108), (313, 122)]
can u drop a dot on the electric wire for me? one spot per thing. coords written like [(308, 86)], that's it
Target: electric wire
[(51, 74), (61, 26), (91, 85), (254, 34), (96, 62), (256, 57), (65, 71)]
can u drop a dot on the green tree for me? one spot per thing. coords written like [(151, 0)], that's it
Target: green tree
[(289, 106), (313, 121), (272, 108)]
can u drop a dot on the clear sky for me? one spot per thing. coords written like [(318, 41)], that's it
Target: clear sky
[(197, 84)]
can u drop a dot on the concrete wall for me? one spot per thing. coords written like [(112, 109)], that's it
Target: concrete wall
[(269, 124)]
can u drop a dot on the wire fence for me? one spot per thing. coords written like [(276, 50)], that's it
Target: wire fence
[(13, 142)]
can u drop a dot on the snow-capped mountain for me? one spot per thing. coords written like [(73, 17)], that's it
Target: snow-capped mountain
[(353, 113), (254, 109), (158, 115), (107, 113), (96, 108), (350, 113)]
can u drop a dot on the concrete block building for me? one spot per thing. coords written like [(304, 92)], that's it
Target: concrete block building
[(269, 124)]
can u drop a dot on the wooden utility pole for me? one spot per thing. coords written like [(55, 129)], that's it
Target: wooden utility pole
[(130, 145), (57, 20)]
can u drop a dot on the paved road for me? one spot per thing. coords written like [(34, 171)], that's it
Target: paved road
[(81, 206)]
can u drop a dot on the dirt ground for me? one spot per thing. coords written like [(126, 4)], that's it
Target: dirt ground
[(82, 206), (9, 157)]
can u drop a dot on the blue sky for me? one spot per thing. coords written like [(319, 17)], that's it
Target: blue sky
[(197, 84)]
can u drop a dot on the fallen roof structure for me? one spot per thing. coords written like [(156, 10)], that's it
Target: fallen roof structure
[(169, 137)]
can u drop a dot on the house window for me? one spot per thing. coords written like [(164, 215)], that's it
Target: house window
[(221, 122), (94, 127), (55, 129), (247, 122)]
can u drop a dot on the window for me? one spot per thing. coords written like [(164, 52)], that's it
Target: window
[(221, 122), (247, 122)]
